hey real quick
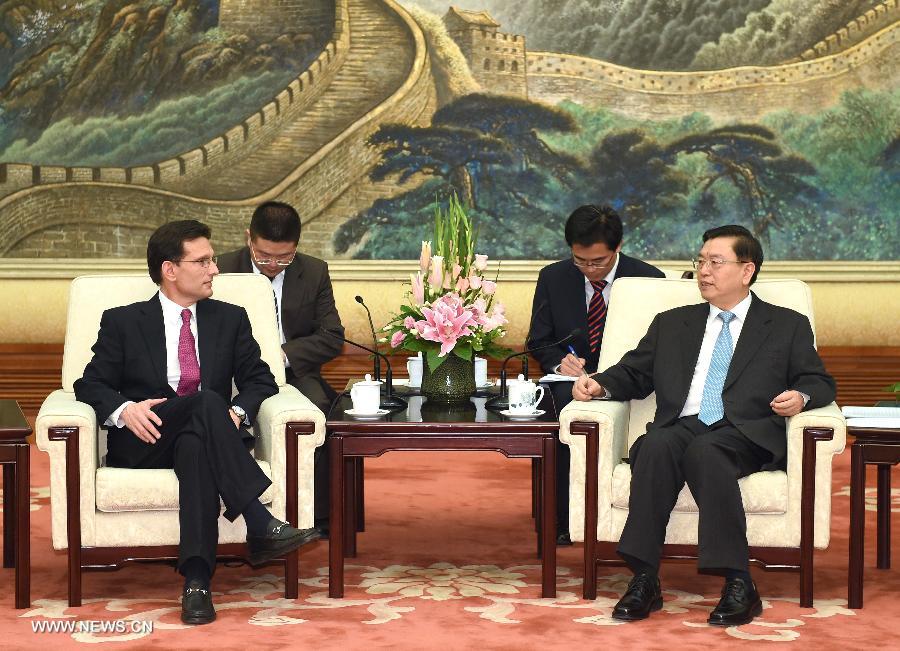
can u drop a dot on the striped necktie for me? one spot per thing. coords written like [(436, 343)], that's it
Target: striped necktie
[(711, 408), (596, 316)]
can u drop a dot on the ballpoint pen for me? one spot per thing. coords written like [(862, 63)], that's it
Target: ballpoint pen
[(574, 354)]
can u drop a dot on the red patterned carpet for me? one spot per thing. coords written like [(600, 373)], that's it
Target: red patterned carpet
[(448, 561)]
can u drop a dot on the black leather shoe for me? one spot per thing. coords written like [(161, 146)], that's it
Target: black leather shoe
[(563, 539), (280, 539), (642, 597), (739, 604), (196, 604)]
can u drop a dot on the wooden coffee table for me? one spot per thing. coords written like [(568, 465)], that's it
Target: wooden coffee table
[(440, 429), (14, 455), (880, 447)]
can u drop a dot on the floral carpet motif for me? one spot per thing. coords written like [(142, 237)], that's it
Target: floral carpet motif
[(447, 561), (871, 498), (502, 596)]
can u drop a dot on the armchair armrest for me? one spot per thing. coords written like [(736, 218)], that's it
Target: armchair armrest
[(290, 406), (612, 419), (65, 428), (829, 416)]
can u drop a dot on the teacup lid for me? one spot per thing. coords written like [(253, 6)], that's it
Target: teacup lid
[(369, 381)]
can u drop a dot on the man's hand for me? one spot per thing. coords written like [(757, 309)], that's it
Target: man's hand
[(571, 365), (139, 418), (787, 403), (234, 418), (585, 388)]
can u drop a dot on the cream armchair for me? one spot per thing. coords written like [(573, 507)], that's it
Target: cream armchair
[(106, 516), (788, 513)]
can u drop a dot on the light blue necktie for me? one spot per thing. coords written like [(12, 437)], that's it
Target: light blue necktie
[(711, 408)]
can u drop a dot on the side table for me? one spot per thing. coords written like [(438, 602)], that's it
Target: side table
[(14, 455), (882, 448)]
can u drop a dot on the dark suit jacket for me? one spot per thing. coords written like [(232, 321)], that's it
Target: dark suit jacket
[(308, 305), (129, 363), (773, 354), (559, 307)]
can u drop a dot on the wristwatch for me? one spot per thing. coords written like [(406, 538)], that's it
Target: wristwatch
[(241, 414)]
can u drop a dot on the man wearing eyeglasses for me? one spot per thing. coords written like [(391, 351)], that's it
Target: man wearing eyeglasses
[(574, 293), (161, 381), (305, 306), (726, 373)]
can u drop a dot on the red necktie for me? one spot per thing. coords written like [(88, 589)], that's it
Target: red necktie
[(187, 357), (596, 317)]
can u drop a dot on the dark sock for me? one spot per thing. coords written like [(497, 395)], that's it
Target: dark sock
[(257, 518), (638, 566), (196, 569), (738, 574)]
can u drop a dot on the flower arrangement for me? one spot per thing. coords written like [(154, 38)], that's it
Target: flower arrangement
[(451, 307)]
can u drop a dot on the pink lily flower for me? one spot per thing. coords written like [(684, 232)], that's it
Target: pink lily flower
[(397, 338), (480, 262), (418, 288)]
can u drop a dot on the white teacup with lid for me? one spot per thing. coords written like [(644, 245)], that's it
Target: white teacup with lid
[(524, 396), (366, 395)]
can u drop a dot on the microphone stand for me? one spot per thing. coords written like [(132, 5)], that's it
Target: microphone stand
[(388, 400), (376, 361), (501, 402)]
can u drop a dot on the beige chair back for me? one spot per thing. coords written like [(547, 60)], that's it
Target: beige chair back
[(635, 301), (90, 296)]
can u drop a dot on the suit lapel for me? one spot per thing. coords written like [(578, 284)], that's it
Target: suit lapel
[(755, 331), (207, 335), (691, 338), (154, 332)]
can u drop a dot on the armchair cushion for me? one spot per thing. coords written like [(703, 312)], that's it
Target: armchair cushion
[(762, 492), (125, 489)]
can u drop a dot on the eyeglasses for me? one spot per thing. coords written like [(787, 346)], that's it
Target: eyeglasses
[(267, 261), (592, 264), (203, 262), (713, 263)]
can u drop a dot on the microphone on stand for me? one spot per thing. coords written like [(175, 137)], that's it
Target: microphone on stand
[(376, 362), (388, 400), (534, 314), (502, 402)]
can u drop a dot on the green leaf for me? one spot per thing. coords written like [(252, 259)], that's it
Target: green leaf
[(463, 351), (434, 361)]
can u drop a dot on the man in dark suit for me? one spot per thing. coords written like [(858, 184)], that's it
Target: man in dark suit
[(726, 375), (305, 305), (574, 293), (161, 379)]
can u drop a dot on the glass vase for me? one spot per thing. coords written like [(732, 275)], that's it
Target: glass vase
[(453, 382)]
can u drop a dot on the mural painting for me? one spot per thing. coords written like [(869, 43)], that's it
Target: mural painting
[(783, 115)]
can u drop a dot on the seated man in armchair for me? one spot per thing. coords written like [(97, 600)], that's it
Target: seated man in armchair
[(160, 379), (726, 374)]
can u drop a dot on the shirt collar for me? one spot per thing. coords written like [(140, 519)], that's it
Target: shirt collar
[(172, 310), (276, 280), (739, 310)]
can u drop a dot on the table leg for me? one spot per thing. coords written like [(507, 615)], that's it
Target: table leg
[(857, 525), (535, 491), (23, 528), (350, 495), (336, 518), (539, 493), (359, 486), (548, 518), (884, 517), (9, 515)]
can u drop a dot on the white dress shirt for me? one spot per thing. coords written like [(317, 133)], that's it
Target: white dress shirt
[(589, 293), (172, 323), (710, 335), (277, 287)]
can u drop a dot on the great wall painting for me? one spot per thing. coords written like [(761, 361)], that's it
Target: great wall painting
[(783, 115)]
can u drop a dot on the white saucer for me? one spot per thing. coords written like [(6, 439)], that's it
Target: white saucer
[(368, 416), (487, 385), (520, 416)]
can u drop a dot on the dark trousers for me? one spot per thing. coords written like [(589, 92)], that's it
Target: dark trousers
[(199, 440), (562, 395), (321, 395), (710, 459)]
